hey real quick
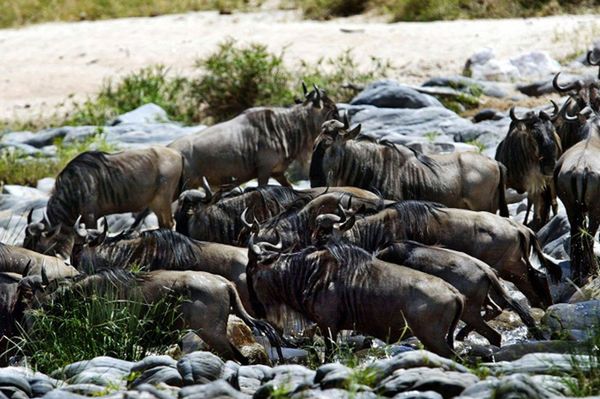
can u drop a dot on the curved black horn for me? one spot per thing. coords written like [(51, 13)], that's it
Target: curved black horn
[(514, 117), (27, 269), (346, 121), (589, 59), (555, 111), (273, 247), (304, 89), (45, 280), (256, 249), (79, 230), (327, 220), (576, 85), (571, 118), (30, 216), (206, 187), (317, 93)]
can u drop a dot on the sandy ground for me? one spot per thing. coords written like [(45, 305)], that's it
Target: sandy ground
[(42, 65)]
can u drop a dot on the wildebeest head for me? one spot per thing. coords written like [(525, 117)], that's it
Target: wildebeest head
[(44, 238), (541, 136), (318, 100), (86, 239), (331, 226)]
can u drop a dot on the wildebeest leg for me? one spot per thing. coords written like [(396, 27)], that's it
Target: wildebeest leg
[(330, 338), (473, 318), (526, 287), (281, 179), (162, 208), (529, 202)]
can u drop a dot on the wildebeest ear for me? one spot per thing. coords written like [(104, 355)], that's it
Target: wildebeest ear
[(317, 97), (353, 133), (347, 225)]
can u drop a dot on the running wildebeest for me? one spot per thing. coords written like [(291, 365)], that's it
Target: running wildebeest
[(160, 249), (95, 184), (343, 287), (461, 180), (577, 176), (205, 301), (530, 151), (500, 242), (259, 143)]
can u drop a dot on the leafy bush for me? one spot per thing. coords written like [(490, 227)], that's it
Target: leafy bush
[(236, 78), (326, 9), (148, 85), (78, 325), (16, 168)]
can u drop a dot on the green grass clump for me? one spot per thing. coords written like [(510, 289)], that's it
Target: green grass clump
[(80, 325), (235, 78), (148, 85), (16, 168), (22, 12), (585, 378)]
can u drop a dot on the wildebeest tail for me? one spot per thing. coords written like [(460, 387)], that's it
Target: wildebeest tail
[(525, 241), (502, 204), (521, 310), (552, 268), (583, 260), (460, 305), (264, 327)]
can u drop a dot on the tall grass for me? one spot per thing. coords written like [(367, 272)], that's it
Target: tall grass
[(79, 325), (585, 378)]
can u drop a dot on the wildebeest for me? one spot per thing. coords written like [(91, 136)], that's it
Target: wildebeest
[(26, 262), (160, 249), (530, 151), (461, 180), (11, 311), (95, 184), (204, 299), (343, 287), (577, 176), (470, 276), (294, 226), (259, 143), (202, 215), (502, 243)]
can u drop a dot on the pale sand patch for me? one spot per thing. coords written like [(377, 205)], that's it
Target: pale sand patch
[(41, 65)]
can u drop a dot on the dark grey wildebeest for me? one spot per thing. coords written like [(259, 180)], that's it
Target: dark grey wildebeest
[(530, 151), (259, 143), (342, 287), (95, 184), (460, 180)]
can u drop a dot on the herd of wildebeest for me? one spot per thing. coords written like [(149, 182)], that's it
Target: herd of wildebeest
[(387, 241)]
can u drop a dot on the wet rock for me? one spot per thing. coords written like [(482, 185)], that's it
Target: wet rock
[(98, 362), (250, 378), (147, 113), (214, 389), (230, 372), (200, 368), (332, 376), (466, 85), (325, 369), (240, 336), (407, 360), (391, 94), (294, 378), (563, 317), (517, 386), (418, 395), (541, 363), (13, 380), (516, 351), (446, 383)]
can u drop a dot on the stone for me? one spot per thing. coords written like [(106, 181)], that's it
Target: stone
[(535, 64), (10, 377), (250, 378), (541, 363), (590, 291), (418, 395), (240, 336), (46, 185), (25, 192), (466, 85), (487, 114), (147, 113), (517, 386), (391, 94), (153, 391), (159, 374), (106, 362), (215, 389), (200, 367), (294, 378), (516, 351), (563, 317), (556, 227), (154, 361), (447, 383), (411, 359), (483, 65)]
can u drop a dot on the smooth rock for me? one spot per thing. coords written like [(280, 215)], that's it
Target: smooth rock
[(535, 64), (215, 389), (590, 291), (250, 378), (447, 383), (575, 316), (466, 85), (412, 359), (159, 374), (418, 395), (391, 94), (556, 227), (154, 361), (46, 185), (516, 386), (333, 394), (147, 113), (293, 377), (517, 351), (541, 363), (107, 362), (200, 367), (103, 376)]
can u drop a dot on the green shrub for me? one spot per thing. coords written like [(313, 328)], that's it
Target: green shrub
[(326, 9), (148, 85), (235, 78), (79, 325)]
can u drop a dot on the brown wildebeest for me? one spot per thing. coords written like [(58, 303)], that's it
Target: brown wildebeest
[(461, 180), (204, 299), (294, 226), (502, 243), (160, 249), (95, 184), (259, 143), (343, 287), (577, 176), (471, 277), (530, 151), (26, 263), (204, 215)]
